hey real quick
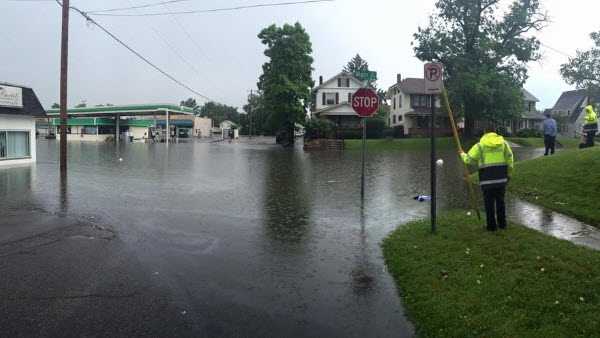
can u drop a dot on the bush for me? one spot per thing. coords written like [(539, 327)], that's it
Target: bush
[(529, 133), (319, 128), (395, 132), (375, 128)]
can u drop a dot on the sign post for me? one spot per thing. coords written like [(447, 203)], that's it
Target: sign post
[(365, 103), (434, 84)]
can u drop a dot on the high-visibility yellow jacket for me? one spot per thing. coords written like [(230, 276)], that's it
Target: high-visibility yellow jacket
[(495, 160), (590, 115)]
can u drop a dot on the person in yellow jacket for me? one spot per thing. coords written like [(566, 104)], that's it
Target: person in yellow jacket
[(494, 158), (590, 126)]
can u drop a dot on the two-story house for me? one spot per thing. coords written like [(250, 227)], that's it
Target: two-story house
[(410, 108), (568, 111), (332, 99), (530, 117)]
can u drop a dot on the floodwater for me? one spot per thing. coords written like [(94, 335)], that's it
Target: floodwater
[(249, 237)]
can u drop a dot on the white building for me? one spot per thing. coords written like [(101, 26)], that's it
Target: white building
[(332, 99), (19, 106)]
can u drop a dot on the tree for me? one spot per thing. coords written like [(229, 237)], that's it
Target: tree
[(286, 81), (55, 105), (191, 103), (355, 64), (583, 70), (82, 104), (220, 112), (485, 57), (258, 118)]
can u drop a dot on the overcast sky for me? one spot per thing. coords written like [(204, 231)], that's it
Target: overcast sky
[(224, 57)]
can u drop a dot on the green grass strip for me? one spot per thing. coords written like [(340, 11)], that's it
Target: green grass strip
[(568, 182), (466, 282)]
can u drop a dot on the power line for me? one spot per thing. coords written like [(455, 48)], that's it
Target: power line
[(169, 76), (174, 50), (556, 50), (216, 9), (136, 7)]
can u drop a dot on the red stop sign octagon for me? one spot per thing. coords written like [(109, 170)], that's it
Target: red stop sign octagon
[(365, 102)]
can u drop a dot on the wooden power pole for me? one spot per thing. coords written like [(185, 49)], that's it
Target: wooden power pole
[(64, 58)]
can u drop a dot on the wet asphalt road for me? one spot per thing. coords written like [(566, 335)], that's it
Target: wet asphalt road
[(207, 240)]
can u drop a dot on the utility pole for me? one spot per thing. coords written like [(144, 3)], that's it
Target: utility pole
[(250, 113), (64, 58)]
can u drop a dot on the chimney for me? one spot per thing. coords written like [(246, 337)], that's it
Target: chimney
[(320, 80), (398, 78)]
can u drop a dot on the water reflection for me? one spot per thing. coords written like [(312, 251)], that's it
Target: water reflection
[(552, 223), (286, 200)]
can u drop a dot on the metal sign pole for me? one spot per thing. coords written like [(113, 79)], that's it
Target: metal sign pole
[(433, 167), (364, 152)]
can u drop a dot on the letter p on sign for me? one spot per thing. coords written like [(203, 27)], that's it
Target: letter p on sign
[(434, 78)]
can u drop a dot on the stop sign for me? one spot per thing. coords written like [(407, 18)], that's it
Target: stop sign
[(365, 102)]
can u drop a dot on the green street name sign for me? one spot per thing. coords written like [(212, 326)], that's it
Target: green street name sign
[(366, 75)]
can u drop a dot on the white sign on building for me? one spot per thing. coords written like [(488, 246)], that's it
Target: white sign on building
[(11, 96)]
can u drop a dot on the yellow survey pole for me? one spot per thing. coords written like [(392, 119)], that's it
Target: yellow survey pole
[(467, 176)]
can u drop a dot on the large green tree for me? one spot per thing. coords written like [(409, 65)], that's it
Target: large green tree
[(286, 81), (357, 63), (583, 70), (485, 54), (220, 112)]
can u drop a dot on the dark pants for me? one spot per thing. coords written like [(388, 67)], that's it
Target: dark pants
[(550, 144), (495, 209), (589, 140)]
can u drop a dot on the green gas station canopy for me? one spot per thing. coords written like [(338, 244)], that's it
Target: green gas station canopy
[(127, 110)]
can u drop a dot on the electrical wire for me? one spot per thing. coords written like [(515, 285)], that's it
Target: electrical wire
[(136, 53), (136, 7), (215, 9), (556, 50)]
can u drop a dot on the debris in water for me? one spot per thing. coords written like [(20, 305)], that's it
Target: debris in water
[(422, 198), (120, 159), (468, 213), (184, 312), (439, 163)]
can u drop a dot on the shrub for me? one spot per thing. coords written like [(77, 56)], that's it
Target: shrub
[(529, 133), (319, 128)]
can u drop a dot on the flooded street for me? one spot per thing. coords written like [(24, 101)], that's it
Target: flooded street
[(241, 239)]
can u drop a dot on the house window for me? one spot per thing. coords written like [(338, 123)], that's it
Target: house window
[(399, 118), (419, 101), (14, 144), (343, 82), (349, 97), (394, 103), (328, 99), (394, 118), (400, 101)]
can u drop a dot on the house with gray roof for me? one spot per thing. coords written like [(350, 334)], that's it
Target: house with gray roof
[(410, 108), (19, 106), (568, 111)]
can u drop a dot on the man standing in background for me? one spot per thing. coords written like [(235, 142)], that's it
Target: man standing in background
[(550, 132)]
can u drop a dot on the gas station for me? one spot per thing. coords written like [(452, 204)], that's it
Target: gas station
[(144, 121)]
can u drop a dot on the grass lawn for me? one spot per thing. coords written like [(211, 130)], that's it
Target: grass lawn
[(567, 182), (466, 282), (400, 144), (537, 142)]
